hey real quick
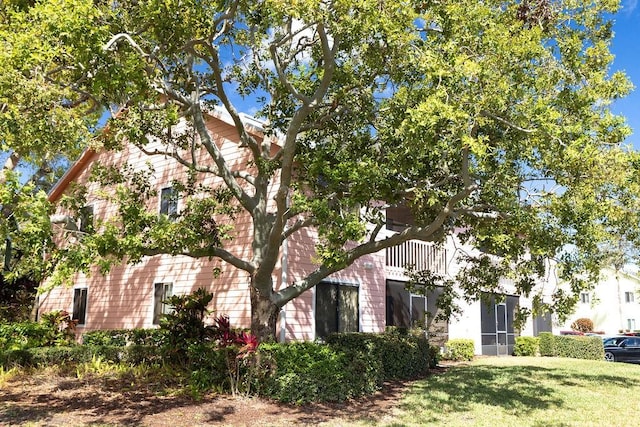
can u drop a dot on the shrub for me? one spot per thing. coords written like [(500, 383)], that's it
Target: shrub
[(546, 344), (579, 347), (124, 337), (70, 355), (574, 346), (526, 346), (346, 366), (61, 327), (304, 372), (459, 349), (208, 369), (185, 326), (582, 325), (434, 356), (402, 355), (55, 328), (15, 336)]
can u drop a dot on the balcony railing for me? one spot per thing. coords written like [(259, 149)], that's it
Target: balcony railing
[(420, 255)]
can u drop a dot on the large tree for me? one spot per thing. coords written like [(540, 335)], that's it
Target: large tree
[(46, 118), (488, 119)]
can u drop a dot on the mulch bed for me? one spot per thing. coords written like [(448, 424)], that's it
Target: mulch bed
[(51, 400)]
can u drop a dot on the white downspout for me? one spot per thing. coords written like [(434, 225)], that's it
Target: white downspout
[(284, 278)]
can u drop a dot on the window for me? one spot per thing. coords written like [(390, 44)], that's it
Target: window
[(169, 202), (86, 219), (403, 308), (629, 297), (631, 324), (584, 297), (161, 292), (399, 218), (336, 308), (80, 305)]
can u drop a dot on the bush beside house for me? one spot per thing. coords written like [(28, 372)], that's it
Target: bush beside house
[(526, 346), (573, 346), (459, 349), (218, 357)]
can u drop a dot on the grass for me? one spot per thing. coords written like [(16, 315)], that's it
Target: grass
[(505, 391), (525, 391)]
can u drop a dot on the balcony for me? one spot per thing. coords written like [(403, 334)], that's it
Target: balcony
[(420, 255)]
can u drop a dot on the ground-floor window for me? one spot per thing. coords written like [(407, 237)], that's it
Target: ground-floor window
[(403, 308), (79, 305), (497, 317), (542, 323), (161, 292), (408, 310), (337, 308)]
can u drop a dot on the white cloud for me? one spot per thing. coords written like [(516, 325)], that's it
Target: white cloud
[(629, 6)]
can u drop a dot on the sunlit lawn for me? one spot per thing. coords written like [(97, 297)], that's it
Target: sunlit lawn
[(517, 391)]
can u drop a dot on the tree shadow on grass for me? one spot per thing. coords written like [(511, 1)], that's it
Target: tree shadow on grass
[(522, 389)]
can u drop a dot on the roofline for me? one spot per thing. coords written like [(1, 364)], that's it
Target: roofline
[(251, 125), (70, 175)]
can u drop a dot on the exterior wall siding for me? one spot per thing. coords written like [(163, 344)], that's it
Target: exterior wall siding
[(124, 297)]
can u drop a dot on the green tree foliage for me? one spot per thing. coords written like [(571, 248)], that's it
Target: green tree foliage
[(487, 118)]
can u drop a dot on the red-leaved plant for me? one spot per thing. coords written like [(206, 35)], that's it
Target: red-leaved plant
[(238, 347)]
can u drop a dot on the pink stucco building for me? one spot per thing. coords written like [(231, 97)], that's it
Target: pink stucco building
[(366, 297), (359, 298)]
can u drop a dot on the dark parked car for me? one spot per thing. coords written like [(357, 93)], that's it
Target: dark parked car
[(613, 340), (622, 349)]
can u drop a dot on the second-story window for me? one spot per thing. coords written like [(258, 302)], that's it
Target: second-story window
[(629, 297), (86, 219), (169, 202), (584, 297), (399, 218)]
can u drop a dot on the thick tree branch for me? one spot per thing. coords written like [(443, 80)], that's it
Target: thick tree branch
[(208, 252), (223, 169)]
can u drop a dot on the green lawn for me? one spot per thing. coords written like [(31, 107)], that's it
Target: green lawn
[(525, 391)]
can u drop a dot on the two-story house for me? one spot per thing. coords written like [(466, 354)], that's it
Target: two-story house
[(367, 296)]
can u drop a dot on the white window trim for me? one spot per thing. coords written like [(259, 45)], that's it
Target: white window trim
[(164, 187), (86, 307), (152, 305)]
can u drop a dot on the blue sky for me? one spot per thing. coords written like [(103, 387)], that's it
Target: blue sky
[(626, 48)]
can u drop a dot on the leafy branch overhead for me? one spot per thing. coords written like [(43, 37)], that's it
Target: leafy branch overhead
[(486, 119)]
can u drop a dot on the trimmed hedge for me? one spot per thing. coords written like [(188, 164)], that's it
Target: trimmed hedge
[(546, 344), (42, 356), (402, 356), (526, 346), (346, 366), (124, 337), (302, 372), (580, 347), (459, 349), (573, 346)]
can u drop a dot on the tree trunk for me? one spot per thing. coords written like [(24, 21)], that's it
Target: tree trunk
[(264, 315)]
